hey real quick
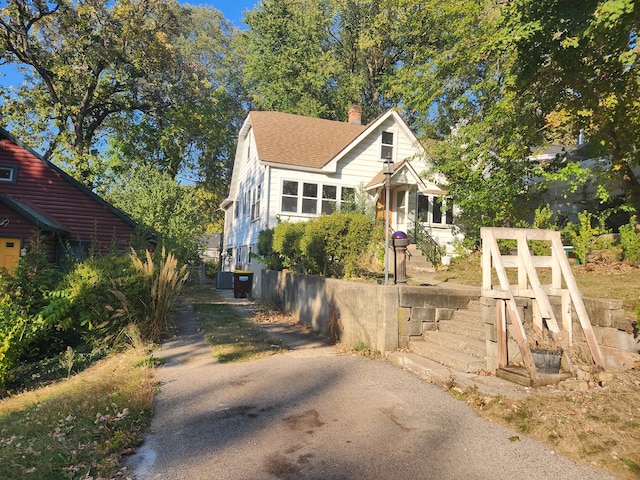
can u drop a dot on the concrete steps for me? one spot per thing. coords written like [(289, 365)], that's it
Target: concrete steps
[(458, 343), (417, 264), (461, 361)]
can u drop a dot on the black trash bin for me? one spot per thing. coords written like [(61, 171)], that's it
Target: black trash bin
[(242, 281)]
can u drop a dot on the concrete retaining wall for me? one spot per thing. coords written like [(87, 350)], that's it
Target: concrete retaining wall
[(350, 312), (616, 334), (383, 318)]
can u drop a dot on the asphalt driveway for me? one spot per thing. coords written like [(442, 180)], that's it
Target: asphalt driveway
[(317, 413)]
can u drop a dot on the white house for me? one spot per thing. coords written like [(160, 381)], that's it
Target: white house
[(293, 168)]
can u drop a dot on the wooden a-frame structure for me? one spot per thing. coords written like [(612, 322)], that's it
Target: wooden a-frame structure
[(529, 287)]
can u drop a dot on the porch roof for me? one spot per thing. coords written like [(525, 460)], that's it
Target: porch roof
[(33, 215)]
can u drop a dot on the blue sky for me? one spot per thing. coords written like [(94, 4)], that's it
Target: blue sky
[(231, 9)]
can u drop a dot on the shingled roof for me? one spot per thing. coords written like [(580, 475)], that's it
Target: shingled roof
[(295, 140)]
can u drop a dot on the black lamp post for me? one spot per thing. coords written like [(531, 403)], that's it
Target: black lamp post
[(387, 169)]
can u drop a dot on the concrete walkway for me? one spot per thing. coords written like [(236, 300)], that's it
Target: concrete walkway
[(317, 413)]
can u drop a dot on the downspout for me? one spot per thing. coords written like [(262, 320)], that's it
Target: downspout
[(268, 195)]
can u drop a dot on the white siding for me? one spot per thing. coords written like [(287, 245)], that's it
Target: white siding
[(353, 170)]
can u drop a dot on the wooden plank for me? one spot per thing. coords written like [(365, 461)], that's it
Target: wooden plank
[(567, 324), (514, 291), (522, 268), (516, 321), (537, 317), (556, 272), (501, 331), (512, 233), (487, 237), (511, 261), (543, 301), (576, 297)]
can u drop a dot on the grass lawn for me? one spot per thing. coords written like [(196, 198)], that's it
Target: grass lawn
[(614, 280), (78, 428)]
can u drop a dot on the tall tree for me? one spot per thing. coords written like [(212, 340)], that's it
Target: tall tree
[(84, 62), (581, 64), (316, 57), (154, 199), (189, 130), (111, 85), (455, 87)]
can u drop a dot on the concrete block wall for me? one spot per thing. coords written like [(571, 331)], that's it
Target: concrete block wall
[(351, 312), (384, 317), (424, 307), (617, 335)]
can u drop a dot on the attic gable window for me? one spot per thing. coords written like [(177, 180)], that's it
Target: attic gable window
[(8, 173), (386, 150)]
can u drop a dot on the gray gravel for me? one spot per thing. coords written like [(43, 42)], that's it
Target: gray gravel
[(317, 413)]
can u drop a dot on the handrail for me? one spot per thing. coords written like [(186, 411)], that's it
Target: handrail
[(529, 286), (429, 247)]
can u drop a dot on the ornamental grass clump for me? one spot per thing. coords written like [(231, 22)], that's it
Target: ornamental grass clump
[(152, 311)]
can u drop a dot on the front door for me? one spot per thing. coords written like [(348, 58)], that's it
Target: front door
[(9, 253)]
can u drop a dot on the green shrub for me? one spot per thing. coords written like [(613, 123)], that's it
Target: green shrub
[(630, 242), (266, 255), (542, 220), (330, 245), (287, 239), (89, 285), (211, 267), (583, 236)]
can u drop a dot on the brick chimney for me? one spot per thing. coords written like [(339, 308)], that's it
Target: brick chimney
[(355, 114)]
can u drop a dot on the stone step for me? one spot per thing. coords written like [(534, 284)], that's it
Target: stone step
[(475, 306), (467, 315), (460, 361), (454, 341), (464, 328)]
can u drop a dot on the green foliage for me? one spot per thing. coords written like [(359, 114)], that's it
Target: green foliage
[(78, 310), (88, 286), (543, 219), (583, 236), (211, 267), (316, 57), (330, 245), (630, 242), (266, 254), (287, 238), (154, 75), (154, 199), (579, 68), (162, 282)]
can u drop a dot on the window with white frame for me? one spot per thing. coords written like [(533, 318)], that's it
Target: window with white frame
[(256, 193), (329, 199), (386, 149), (435, 209), (8, 173), (313, 198), (310, 198), (289, 196)]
